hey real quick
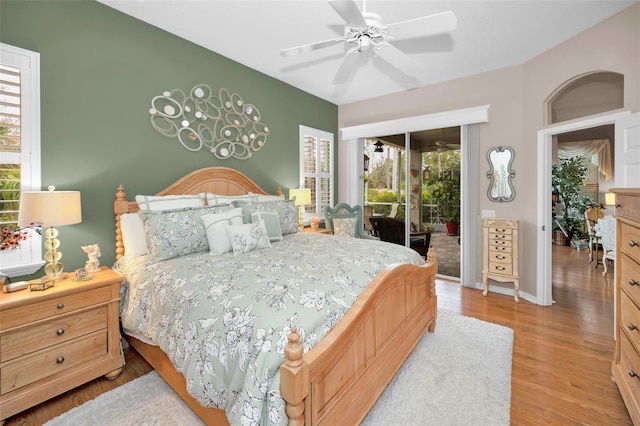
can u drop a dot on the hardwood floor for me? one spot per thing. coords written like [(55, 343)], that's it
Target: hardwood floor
[(562, 354)]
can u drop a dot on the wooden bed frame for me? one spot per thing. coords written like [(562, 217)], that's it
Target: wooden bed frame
[(339, 379)]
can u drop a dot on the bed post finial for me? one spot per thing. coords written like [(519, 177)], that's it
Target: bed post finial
[(120, 206), (294, 379)]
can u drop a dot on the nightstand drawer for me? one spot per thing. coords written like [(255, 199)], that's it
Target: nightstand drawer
[(47, 362), (54, 306), (59, 330)]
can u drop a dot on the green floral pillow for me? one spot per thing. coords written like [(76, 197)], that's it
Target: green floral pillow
[(173, 233), (287, 212)]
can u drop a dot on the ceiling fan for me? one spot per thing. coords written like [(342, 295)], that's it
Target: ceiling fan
[(444, 146), (366, 30)]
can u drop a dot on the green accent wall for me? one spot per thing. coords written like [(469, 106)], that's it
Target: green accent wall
[(99, 71)]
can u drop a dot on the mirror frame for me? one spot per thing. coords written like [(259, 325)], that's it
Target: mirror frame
[(510, 174)]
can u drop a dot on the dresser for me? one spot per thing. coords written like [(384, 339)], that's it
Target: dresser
[(57, 339), (626, 362), (500, 253)]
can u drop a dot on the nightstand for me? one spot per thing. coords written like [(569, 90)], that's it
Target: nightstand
[(55, 340), (317, 231)]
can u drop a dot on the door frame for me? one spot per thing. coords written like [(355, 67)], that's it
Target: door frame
[(467, 119), (544, 226)]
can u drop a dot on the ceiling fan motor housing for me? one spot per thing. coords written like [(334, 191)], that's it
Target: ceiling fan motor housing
[(373, 34)]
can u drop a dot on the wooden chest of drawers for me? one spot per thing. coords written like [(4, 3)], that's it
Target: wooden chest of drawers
[(626, 362), (54, 340), (501, 253)]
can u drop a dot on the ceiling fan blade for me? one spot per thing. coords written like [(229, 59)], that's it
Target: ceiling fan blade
[(424, 26), (400, 60), (347, 69), (349, 12), (292, 51)]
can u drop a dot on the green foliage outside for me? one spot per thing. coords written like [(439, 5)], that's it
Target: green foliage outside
[(443, 192), (567, 177)]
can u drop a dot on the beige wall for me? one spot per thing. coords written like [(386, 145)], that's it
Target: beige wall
[(517, 96)]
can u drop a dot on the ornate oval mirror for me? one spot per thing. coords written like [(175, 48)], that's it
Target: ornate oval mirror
[(500, 188)]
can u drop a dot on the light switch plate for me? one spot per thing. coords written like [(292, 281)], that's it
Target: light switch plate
[(488, 213)]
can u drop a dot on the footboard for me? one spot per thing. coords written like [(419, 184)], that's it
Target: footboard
[(339, 380)]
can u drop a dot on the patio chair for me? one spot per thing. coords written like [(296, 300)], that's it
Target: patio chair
[(345, 211), (391, 230)]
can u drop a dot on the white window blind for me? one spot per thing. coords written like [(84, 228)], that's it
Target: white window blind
[(316, 169), (19, 150)]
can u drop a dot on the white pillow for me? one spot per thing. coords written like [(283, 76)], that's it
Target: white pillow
[(216, 227), (248, 237), (133, 235), (344, 227), (271, 222), (213, 199), (166, 202)]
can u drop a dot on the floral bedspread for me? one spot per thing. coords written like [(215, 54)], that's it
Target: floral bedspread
[(223, 320)]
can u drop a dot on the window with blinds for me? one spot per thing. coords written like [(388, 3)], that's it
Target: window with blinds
[(10, 146), (19, 151), (316, 169)]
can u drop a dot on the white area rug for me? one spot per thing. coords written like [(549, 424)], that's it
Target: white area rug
[(459, 375)]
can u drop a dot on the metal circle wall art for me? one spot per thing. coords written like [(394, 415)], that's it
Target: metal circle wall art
[(223, 124)]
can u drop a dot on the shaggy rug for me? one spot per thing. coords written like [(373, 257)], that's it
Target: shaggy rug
[(459, 375)]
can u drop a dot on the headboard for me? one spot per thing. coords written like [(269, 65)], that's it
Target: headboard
[(216, 180)]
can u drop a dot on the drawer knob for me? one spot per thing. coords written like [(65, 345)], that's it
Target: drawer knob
[(60, 331), (634, 243), (60, 360), (633, 374), (633, 282), (60, 305), (632, 326)]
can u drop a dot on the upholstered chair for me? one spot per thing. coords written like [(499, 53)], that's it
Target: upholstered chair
[(345, 211), (605, 230)]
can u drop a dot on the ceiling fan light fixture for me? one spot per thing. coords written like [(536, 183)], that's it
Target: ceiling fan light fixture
[(364, 41)]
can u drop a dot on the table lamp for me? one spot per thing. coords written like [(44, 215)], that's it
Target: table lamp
[(302, 198), (50, 209)]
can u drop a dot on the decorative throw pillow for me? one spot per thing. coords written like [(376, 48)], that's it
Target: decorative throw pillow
[(344, 227), (216, 199), (271, 222), (173, 233), (166, 202), (133, 237), (216, 227), (248, 237), (287, 212)]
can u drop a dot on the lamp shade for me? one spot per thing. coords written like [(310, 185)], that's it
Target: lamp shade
[(303, 196), (49, 208), (610, 199)]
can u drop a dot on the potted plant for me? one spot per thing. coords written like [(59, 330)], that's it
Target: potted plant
[(445, 193), (566, 180)]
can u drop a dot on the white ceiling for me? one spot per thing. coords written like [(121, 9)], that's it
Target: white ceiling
[(490, 35)]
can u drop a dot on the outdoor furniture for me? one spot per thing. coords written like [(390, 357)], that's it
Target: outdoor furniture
[(345, 211), (391, 230)]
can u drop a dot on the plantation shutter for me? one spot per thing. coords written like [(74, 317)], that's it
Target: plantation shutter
[(10, 145), (317, 168)]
